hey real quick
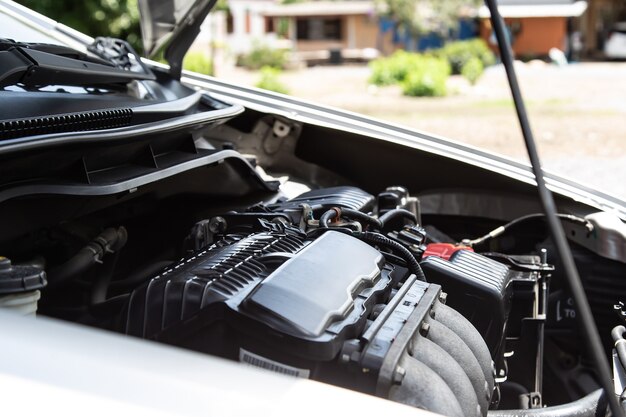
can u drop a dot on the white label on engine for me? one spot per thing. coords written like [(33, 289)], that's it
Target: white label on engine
[(261, 362)]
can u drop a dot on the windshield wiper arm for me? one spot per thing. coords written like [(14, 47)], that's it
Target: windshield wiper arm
[(32, 68)]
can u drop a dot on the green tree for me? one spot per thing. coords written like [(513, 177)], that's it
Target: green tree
[(419, 17), (116, 18)]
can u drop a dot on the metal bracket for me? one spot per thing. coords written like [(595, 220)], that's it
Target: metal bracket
[(531, 400)]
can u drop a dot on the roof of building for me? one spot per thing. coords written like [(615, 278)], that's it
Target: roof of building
[(321, 8), (537, 8)]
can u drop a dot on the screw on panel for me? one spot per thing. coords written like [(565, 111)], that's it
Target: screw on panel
[(443, 297), (217, 225), (398, 375), (280, 129)]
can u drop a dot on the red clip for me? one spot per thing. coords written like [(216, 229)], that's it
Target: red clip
[(444, 250)]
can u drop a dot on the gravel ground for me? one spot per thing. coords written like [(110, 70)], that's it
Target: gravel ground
[(578, 112)]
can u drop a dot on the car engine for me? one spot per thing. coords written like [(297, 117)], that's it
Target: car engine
[(345, 303), (335, 285)]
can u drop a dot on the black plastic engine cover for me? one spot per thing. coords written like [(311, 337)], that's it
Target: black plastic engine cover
[(268, 291), (321, 285), (325, 198)]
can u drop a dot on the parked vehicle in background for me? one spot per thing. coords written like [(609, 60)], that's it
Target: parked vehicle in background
[(615, 45)]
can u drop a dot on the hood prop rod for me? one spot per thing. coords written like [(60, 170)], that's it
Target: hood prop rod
[(585, 317)]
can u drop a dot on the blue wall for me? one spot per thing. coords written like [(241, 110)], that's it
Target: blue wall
[(467, 29)]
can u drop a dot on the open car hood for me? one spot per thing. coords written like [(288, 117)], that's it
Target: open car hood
[(173, 24)]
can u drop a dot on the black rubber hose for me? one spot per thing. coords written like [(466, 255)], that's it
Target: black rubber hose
[(100, 286), (83, 260), (412, 264), (337, 212), (87, 257), (593, 405), (362, 217), (395, 213), (327, 217)]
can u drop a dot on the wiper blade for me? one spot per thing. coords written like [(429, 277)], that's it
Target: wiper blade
[(34, 67), (66, 51)]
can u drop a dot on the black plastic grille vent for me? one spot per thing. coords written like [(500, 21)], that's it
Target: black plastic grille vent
[(213, 275), (348, 197), (237, 266), (70, 122), (481, 269)]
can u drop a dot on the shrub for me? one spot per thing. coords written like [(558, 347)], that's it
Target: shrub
[(198, 62), (464, 57), (460, 52), (263, 56), (269, 80), (472, 70), (381, 72), (393, 69), (428, 77)]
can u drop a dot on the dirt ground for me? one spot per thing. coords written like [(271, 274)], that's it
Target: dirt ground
[(578, 112)]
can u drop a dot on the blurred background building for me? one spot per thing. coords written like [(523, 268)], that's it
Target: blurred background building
[(355, 30)]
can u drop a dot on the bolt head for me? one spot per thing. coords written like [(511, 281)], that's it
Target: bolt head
[(398, 375), (5, 263), (443, 297)]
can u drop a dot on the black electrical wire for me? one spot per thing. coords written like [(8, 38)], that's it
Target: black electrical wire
[(377, 239), (585, 317), (502, 229), (404, 253)]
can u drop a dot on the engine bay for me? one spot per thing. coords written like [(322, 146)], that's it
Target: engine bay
[(263, 257), (286, 236)]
